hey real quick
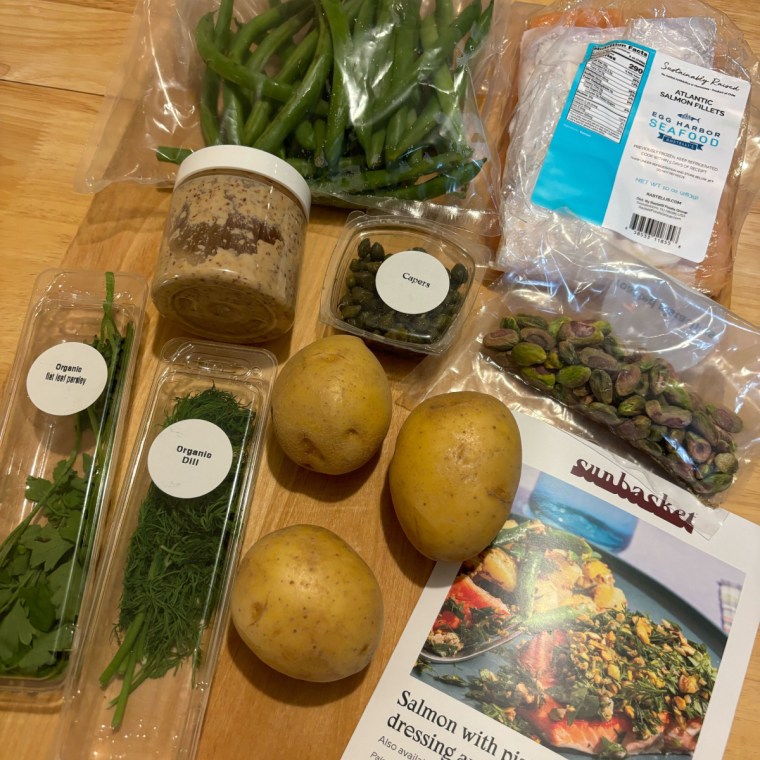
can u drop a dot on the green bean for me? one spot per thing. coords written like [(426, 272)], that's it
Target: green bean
[(549, 620), (528, 572), (233, 116), (442, 184), (276, 38), (172, 155), (304, 134), (426, 121), (374, 44), (561, 539), (222, 28), (373, 179), (237, 73), (479, 32), (405, 43), (209, 100), (338, 115), (364, 19), (307, 168), (513, 533), (269, 45), (383, 38), (393, 133), (425, 65), (305, 95), (320, 129), (376, 147), (444, 13), (415, 155), (254, 30), (293, 66), (445, 91)]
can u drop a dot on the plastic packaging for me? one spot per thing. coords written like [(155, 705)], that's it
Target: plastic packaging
[(399, 283), (230, 258), (669, 170), (675, 375), (62, 421), (374, 112), (162, 603)]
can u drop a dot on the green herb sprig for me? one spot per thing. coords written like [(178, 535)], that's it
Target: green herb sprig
[(43, 561), (175, 560)]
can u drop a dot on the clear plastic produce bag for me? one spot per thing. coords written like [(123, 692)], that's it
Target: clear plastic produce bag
[(638, 118), (373, 101), (594, 341)]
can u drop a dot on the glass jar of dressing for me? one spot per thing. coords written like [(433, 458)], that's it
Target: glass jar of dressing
[(233, 243)]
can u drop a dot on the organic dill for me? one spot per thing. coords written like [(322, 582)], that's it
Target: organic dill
[(175, 559)]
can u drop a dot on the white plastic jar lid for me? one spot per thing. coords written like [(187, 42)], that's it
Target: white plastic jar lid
[(243, 158)]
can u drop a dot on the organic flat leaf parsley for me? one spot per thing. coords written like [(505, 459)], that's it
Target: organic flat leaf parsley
[(42, 561)]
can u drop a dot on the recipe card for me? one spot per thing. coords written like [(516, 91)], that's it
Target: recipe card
[(601, 622)]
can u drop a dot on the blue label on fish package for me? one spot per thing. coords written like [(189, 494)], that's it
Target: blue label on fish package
[(643, 147), (583, 158)]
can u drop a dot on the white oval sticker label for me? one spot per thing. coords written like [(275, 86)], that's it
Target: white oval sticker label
[(412, 282), (189, 458), (66, 378)]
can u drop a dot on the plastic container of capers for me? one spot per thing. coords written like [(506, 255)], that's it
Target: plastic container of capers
[(399, 283)]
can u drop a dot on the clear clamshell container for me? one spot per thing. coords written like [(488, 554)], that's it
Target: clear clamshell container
[(400, 283), (62, 420), (161, 605)]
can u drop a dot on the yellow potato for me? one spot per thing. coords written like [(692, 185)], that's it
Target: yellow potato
[(454, 473), (307, 604), (331, 405)]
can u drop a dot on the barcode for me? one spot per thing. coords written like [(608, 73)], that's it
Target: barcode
[(654, 228)]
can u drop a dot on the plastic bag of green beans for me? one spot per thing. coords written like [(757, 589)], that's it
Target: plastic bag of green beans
[(590, 339), (373, 101)]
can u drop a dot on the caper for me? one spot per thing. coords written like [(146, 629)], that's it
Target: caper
[(364, 280), (442, 322), (361, 295), (458, 275), (377, 252), (348, 310), (364, 248)]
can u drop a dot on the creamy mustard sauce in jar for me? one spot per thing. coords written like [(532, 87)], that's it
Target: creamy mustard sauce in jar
[(233, 243)]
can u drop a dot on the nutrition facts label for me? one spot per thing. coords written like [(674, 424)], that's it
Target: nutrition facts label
[(643, 147), (607, 89)]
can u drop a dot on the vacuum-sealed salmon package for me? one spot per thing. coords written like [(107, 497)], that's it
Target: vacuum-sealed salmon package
[(638, 118)]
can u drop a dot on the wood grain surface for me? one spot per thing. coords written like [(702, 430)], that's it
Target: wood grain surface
[(57, 58)]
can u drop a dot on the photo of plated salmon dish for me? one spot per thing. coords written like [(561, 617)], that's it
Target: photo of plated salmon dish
[(551, 636)]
